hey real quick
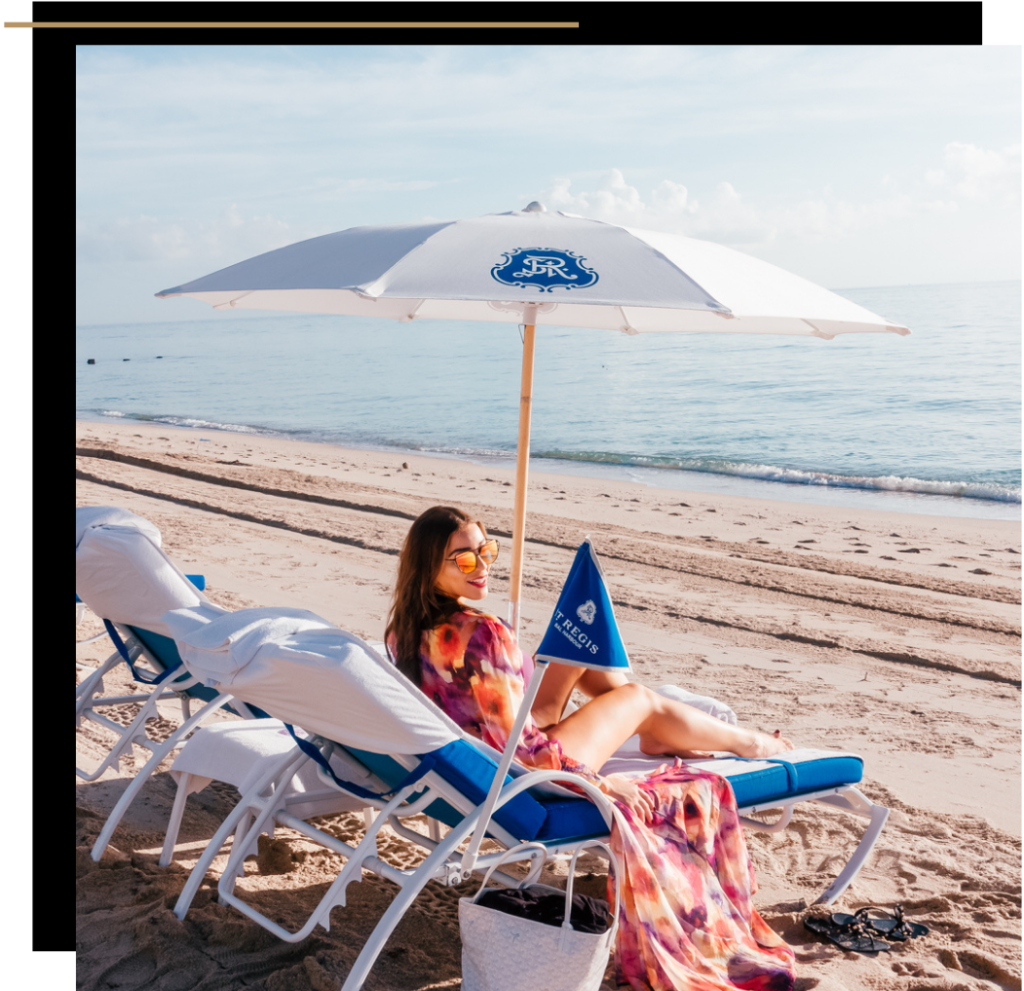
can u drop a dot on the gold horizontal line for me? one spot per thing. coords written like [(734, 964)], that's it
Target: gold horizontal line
[(289, 24)]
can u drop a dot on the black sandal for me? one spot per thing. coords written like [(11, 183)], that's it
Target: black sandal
[(848, 936), (895, 926)]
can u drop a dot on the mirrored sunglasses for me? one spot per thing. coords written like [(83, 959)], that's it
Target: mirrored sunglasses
[(467, 560)]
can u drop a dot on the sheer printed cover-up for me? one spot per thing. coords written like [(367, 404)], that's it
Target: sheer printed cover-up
[(686, 921)]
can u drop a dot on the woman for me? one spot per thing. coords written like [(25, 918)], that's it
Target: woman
[(687, 920)]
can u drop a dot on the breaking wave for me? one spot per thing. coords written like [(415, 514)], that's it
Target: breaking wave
[(994, 491), (987, 490)]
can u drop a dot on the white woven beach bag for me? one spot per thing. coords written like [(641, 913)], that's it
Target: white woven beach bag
[(502, 952)]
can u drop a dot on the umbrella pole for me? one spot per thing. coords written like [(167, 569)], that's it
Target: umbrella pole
[(522, 475)]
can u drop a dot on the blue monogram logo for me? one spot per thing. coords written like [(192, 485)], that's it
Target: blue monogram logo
[(545, 269)]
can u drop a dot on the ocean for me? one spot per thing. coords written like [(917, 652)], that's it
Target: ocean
[(928, 423)]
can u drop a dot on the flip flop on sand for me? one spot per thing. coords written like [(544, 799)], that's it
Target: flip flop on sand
[(849, 937), (893, 926)]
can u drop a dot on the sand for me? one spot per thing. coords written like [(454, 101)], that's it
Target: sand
[(891, 635)]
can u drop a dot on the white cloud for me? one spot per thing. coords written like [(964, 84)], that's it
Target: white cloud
[(729, 216), (979, 173), (673, 197), (723, 216)]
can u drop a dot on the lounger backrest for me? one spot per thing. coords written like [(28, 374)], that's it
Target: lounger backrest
[(306, 671), (124, 576)]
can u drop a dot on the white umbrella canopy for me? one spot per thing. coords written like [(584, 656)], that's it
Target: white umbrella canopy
[(515, 267)]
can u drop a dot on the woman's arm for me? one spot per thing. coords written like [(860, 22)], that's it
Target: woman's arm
[(494, 666)]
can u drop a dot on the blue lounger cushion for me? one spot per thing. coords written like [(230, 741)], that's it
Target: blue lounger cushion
[(786, 778), (754, 783), (471, 772), (551, 818)]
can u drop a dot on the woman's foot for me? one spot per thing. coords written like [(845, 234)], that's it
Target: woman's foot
[(763, 745)]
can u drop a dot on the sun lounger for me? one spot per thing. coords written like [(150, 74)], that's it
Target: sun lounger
[(407, 757), (126, 578)]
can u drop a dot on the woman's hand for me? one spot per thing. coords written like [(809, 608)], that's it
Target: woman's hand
[(627, 790)]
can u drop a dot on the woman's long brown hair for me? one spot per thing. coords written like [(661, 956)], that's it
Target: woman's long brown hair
[(418, 604)]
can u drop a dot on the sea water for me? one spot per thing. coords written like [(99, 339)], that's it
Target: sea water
[(926, 423)]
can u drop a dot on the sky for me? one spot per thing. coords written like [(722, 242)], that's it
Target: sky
[(849, 166)]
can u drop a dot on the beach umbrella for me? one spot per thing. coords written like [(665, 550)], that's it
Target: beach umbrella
[(529, 266)]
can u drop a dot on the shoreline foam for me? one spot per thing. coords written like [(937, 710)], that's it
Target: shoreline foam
[(983, 500)]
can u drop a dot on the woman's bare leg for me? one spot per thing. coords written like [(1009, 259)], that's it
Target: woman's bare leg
[(555, 689), (558, 684), (596, 730), (593, 682)]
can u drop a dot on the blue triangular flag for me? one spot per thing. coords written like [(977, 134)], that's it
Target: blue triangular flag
[(583, 631)]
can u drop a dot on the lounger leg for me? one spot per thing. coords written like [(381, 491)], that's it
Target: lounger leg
[(405, 897), (93, 683), (174, 823), (244, 825), (135, 729), (237, 822), (213, 848), (365, 854), (878, 815), (247, 840), (775, 827), (150, 766)]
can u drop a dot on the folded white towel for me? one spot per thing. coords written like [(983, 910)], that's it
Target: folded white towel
[(122, 574), (239, 753), (299, 668), (217, 651), (703, 702)]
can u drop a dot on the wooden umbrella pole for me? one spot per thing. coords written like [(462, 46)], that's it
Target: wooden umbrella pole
[(522, 475)]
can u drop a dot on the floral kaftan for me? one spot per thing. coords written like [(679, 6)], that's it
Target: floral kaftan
[(686, 921)]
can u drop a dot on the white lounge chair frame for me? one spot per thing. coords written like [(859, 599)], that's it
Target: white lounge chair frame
[(79, 616), (847, 798), (160, 751), (260, 810), (89, 699)]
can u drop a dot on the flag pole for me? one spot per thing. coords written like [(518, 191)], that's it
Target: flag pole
[(522, 470), (498, 781)]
